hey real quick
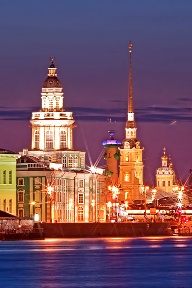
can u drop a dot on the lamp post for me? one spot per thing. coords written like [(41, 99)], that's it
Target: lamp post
[(50, 190), (144, 190)]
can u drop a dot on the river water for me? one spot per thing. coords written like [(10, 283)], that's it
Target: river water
[(106, 262)]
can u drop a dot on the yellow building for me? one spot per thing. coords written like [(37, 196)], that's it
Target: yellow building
[(131, 163), (165, 175), (8, 181)]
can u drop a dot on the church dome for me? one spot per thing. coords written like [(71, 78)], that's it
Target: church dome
[(52, 80)]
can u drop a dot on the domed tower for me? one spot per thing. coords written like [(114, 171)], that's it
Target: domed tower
[(52, 126), (112, 159), (165, 175), (131, 164)]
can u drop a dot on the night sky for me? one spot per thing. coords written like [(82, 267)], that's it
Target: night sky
[(89, 40)]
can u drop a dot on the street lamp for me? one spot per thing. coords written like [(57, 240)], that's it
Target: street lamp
[(50, 190)]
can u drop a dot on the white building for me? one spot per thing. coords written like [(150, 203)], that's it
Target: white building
[(74, 194)]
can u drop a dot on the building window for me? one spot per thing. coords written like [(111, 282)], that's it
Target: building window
[(127, 157), (82, 161), (21, 181), (80, 214), (81, 183), (4, 205), (50, 104), (163, 183), (20, 213), (37, 181), (126, 177), (36, 139), (57, 104), (70, 161), (76, 161), (158, 183), (126, 195), (20, 196), (63, 140), (37, 196), (169, 183), (4, 177), (64, 161), (81, 198), (10, 206), (59, 197), (49, 139), (10, 177)]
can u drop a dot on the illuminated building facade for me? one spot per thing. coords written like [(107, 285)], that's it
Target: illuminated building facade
[(69, 193), (8, 181), (51, 195), (131, 163), (52, 125), (165, 175), (32, 197)]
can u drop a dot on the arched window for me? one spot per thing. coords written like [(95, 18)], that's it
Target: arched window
[(126, 177), (36, 139), (64, 161), (70, 161), (49, 139), (75, 161), (80, 214), (63, 138)]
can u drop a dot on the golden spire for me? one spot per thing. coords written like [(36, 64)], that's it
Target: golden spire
[(130, 95), (130, 121)]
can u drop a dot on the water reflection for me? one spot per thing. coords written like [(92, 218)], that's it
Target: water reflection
[(105, 262)]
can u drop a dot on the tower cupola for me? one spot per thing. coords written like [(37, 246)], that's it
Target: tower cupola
[(52, 80), (164, 158)]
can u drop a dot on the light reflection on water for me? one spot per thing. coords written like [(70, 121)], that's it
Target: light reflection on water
[(103, 262)]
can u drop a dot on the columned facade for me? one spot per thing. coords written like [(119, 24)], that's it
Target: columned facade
[(52, 126)]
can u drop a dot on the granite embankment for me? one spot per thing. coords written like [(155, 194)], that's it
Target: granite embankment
[(86, 230)]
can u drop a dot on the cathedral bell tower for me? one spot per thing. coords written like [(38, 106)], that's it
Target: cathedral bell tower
[(131, 163), (52, 126), (165, 175)]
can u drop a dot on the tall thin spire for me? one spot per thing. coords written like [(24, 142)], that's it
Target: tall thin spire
[(130, 115), (130, 95)]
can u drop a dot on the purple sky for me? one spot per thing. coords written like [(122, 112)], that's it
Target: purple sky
[(89, 40)]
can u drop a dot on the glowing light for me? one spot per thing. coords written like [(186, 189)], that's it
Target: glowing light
[(36, 217), (55, 166), (154, 191), (126, 204), (70, 203), (109, 204), (114, 189), (96, 170), (93, 203), (50, 189)]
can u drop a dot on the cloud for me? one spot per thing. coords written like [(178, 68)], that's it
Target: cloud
[(145, 114)]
